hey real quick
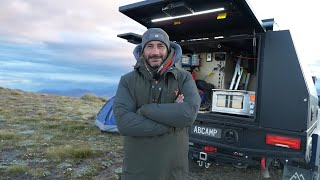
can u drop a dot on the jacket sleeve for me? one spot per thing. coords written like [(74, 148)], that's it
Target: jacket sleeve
[(176, 114), (130, 123)]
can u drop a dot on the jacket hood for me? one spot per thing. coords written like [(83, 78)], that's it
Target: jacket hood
[(177, 57)]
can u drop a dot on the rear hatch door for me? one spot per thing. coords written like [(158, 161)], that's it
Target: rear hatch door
[(190, 19)]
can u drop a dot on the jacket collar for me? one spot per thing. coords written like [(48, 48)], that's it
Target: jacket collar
[(137, 52), (164, 69)]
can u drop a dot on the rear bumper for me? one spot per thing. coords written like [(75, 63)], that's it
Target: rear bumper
[(247, 146), (198, 145), (194, 153), (242, 155)]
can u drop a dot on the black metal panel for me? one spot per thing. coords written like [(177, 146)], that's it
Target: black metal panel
[(235, 44), (131, 37), (283, 93), (245, 123), (239, 20)]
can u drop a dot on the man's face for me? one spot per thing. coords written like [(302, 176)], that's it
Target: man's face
[(155, 52)]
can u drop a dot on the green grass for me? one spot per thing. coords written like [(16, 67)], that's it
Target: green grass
[(42, 113), (39, 172), (69, 151), (16, 92), (50, 125), (91, 97), (7, 135), (16, 169)]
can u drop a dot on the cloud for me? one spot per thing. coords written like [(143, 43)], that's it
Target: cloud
[(315, 68), (69, 54), (30, 70), (63, 44), (31, 81), (34, 76), (299, 18), (38, 20), (23, 66), (72, 29), (14, 81), (81, 78)]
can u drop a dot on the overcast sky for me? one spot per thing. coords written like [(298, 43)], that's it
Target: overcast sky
[(73, 44)]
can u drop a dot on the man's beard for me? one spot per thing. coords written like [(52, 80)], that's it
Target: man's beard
[(149, 59)]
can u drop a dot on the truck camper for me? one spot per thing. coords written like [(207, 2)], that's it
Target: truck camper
[(259, 104)]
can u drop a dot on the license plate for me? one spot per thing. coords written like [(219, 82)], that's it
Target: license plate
[(206, 131)]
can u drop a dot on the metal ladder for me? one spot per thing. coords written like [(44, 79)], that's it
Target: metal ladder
[(238, 71)]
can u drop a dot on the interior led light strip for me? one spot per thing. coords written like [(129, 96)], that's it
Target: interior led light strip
[(188, 15)]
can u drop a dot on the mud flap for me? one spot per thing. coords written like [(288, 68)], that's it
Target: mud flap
[(315, 157), (295, 173)]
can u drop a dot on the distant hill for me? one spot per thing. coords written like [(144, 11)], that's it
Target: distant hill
[(71, 92), (107, 92)]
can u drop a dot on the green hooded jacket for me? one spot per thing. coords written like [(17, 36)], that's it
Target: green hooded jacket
[(155, 129)]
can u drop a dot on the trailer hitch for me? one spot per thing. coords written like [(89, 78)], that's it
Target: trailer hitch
[(206, 164), (203, 160), (203, 156), (200, 163)]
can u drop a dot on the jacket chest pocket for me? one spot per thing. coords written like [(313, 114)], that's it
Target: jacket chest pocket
[(169, 94)]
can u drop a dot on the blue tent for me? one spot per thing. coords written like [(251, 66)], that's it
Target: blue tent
[(105, 118)]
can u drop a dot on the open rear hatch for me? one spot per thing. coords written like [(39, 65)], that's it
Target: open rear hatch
[(189, 19)]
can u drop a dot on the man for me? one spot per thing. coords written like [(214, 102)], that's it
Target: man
[(153, 107)]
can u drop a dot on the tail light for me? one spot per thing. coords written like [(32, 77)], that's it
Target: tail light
[(252, 97), (210, 149), (282, 141)]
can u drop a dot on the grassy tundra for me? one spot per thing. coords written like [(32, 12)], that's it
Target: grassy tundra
[(53, 137)]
